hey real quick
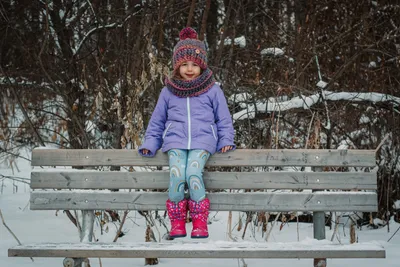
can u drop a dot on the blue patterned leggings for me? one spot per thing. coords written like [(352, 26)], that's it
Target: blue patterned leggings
[(186, 166)]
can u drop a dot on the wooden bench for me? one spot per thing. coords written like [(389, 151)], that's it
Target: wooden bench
[(332, 170)]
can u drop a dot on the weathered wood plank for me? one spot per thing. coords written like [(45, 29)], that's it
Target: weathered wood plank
[(255, 201), (240, 157), (220, 249), (213, 180)]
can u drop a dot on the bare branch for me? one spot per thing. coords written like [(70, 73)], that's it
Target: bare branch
[(10, 231)]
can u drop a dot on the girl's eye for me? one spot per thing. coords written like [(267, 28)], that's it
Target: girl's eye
[(196, 65)]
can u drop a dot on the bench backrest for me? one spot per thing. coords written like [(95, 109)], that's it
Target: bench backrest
[(333, 170)]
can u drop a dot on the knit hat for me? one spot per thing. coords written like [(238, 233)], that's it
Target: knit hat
[(189, 48)]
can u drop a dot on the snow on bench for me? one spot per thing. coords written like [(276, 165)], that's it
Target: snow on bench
[(308, 248)]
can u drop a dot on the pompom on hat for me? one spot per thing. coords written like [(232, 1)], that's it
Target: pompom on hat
[(189, 48)]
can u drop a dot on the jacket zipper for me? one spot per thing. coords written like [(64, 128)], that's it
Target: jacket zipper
[(189, 123), (166, 130), (212, 129)]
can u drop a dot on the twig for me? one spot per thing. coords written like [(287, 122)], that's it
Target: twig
[(337, 218), (78, 224), (158, 230), (18, 99), (120, 226), (309, 129), (18, 179), (297, 226), (230, 227), (109, 26), (13, 154), (71, 218), (322, 93), (11, 232), (161, 221), (394, 234), (243, 262), (145, 214), (381, 143), (248, 220), (272, 226)]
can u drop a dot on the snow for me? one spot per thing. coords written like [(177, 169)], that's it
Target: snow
[(372, 65), (396, 204), (322, 84), (308, 244), (54, 227), (90, 127), (345, 144), (239, 97), (240, 41), (379, 222), (364, 119), (306, 102), (272, 51), (47, 146)]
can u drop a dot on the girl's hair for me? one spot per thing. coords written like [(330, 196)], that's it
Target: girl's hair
[(177, 76)]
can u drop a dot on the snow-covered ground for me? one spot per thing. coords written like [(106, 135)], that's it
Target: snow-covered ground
[(52, 226)]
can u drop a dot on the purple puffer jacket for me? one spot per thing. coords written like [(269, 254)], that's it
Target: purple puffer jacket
[(200, 122)]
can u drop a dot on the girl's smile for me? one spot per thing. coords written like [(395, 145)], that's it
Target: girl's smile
[(189, 70)]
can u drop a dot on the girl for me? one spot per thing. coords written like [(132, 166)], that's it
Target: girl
[(191, 121)]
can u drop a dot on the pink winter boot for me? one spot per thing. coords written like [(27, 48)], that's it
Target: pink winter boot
[(177, 215), (199, 213)]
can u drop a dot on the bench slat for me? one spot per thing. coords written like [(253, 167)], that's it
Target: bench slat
[(240, 157), (200, 250), (255, 201), (214, 180)]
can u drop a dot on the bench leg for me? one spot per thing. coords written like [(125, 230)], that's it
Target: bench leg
[(319, 227), (86, 236), (87, 225), (73, 262), (319, 262), (319, 234)]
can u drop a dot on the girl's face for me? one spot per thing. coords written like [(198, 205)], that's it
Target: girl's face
[(189, 70)]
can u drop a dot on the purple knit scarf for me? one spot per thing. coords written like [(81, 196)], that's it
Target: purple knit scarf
[(195, 87)]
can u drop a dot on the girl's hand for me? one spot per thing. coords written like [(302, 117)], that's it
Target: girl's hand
[(226, 149), (145, 151)]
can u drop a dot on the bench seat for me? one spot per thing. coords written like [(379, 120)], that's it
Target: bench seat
[(251, 180), (309, 248)]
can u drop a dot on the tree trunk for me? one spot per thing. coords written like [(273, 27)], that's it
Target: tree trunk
[(191, 13), (225, 28), (204, 20), (353, 233), (149, 261)]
